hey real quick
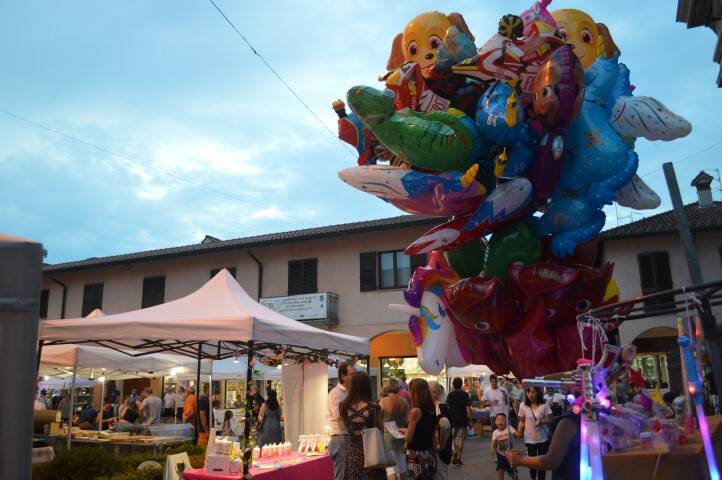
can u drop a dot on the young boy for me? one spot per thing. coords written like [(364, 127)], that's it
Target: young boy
[(501, 443)]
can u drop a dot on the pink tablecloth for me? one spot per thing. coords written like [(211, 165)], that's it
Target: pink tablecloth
[(316, 468)]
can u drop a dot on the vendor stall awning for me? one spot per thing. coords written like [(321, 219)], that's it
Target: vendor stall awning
[(217, 315)]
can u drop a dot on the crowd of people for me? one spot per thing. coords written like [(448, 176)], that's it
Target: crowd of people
[(434, 427)]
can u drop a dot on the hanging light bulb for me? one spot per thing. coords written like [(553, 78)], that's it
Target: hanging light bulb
[(46, 378), (386, 365), (92, 374)]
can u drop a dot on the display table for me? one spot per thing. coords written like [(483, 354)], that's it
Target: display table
[(684, 462), (120, 448), (314, 468)]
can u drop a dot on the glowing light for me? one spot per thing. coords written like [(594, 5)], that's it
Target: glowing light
[(571, 398), (46, 378), (175, 371), (236, 360), (101, 379), (692, 390), (707, 442)]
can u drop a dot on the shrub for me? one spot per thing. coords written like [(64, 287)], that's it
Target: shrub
[(146, 474), (79, 464)]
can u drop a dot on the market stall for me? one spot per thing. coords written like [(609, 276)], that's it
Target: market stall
[(83, 366), (218, 321)]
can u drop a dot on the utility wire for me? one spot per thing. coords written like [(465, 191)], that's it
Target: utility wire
[(280, 79), (144, 165), (684, 158)]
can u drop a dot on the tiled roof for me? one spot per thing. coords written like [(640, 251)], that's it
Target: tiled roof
[(248, 242), (699, 218)]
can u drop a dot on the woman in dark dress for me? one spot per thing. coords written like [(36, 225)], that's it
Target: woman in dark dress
[(269, 420), (357, 412), (420, 434), (563, 454)]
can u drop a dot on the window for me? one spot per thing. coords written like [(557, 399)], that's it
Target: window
[(302, 276), (44, 296), (153, 291), (92, 298), (388, 269), (655, 276), (231, 270)]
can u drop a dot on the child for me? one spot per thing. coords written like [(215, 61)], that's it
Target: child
[(227, 428), (501, 443)]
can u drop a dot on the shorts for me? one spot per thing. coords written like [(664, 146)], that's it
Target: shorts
[(503, 464), (400, 458)]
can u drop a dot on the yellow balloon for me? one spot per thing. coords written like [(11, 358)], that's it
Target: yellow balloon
[(611, 291), (580, 30), (422, 37)]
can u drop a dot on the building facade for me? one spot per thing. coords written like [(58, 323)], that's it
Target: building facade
[(363, 268)]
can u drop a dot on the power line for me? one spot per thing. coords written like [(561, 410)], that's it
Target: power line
[(280, 79), (144, 165), (684, 158)]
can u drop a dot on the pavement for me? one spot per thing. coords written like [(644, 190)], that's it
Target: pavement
[(479, 463)]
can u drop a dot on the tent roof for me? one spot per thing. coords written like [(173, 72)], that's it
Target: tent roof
[(220, 314), (59, 360)]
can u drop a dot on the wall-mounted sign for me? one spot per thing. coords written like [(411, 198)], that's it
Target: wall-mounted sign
[(310, 306)]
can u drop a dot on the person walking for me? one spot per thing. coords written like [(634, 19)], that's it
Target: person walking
[(534, 415), (443, 431), (204, 409), (358, 413), (460, 417), (337, 444), (420, 434), (495, 397), (269, 420), (189, 406), (394, 409)]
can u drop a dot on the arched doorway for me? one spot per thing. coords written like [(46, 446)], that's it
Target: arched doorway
[(658, 358)]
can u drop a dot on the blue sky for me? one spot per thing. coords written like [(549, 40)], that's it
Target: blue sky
[(169, 87)]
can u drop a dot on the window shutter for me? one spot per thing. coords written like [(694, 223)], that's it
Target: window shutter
[(295, 277), (153, 291), (646, 273), (310, 276), (303, 276), (92, 298), (368, 271), (663, 271), (44, 297), (418, 261)]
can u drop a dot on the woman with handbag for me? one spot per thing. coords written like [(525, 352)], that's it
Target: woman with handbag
[(360, 417), (534, 418), (420, 434)]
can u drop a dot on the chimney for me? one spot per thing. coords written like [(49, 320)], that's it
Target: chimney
[(702, 182)]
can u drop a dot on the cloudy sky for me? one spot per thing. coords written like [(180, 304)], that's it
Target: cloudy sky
[(168, 128)]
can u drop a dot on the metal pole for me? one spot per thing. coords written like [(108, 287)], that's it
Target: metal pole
[(198, 393), (102, 399), (72, 399), (709, 323), (40, 354), (247, 427), (211, 416), (175, 405)]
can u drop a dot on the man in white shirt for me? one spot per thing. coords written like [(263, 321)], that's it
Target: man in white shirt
[(337, 444), (495, 397)]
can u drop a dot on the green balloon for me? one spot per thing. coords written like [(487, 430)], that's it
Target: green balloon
[(516, 242), (468, 259)]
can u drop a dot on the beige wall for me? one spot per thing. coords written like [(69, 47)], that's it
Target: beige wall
[(360, 313), (626, 270)]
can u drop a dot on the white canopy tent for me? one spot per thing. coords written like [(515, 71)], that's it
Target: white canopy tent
[(220, 317), (219, 320)]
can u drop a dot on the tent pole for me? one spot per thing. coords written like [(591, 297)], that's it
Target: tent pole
[(211, 419), (72, 401), (102, 399), (40, 354), (198, 392), (247, 423), (368, 365), (175, 405)]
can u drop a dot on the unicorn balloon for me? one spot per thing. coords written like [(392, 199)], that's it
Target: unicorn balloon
[(433, 330)]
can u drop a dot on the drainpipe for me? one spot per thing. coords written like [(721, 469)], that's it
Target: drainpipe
[(65, 294), (260, 273)]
